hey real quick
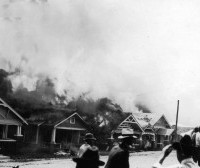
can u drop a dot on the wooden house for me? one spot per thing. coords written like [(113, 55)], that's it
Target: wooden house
[(156, 128), (10, 127), (129, 121), (60, 128), (148, 127)]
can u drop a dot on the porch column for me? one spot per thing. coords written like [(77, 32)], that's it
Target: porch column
[(156, 140), (19, 130), (37, 135), (5, 132), (53, 136), (111, 135), (75, 137), (140, 140)]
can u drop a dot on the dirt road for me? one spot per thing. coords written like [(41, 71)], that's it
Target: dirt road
[(137, 160)]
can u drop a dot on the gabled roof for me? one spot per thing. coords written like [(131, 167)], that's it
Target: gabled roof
[(166, 121), (52, 117), (146, 119), (75, 113), (4, 104), (129, 121)]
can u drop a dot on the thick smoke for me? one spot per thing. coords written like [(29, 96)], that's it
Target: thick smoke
[(131, 52)]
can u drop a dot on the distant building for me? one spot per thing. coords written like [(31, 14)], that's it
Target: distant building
[(152, 129), (129, 121), (156, 128)]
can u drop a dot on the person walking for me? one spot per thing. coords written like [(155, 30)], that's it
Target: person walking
[(89, 143), (119, 155), (89, 159), (184, 150)]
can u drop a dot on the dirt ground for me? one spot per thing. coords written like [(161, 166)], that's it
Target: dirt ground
[(137, 160)]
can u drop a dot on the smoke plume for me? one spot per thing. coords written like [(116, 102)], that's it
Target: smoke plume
[(131, 52)]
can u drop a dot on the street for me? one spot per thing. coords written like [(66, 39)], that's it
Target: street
[(137, 160)]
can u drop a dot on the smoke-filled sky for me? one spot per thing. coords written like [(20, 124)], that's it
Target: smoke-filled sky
[(131, 51)]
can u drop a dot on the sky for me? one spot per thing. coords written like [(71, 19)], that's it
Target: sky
[(127, 50)]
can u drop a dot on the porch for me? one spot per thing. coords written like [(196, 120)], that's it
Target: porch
[(9, 136), (67, 138), (148, 139)]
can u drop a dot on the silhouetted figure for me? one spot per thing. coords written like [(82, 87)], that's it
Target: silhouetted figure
[(119, 155), (184, 150), (89, 143), (89, 159)]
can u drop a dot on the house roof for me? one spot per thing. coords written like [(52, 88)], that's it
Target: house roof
[(4, 104), (130, 122), (73, 114), (52, 116), (144, 119)]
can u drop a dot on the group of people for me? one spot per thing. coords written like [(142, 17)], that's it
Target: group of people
[(88, 155), (187, 150)]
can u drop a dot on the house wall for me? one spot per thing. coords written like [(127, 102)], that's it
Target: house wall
[(30, 133), (45, 134), (67, 137), (12, 130), (161, 140)]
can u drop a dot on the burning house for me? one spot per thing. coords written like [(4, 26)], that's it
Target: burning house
[(156, 128), (129, 121), (57, 129), (11, 124), (150, 128)]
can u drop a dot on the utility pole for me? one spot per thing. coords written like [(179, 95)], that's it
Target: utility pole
[(176, 135)]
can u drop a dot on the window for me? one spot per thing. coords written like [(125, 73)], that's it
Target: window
[(72, 120)]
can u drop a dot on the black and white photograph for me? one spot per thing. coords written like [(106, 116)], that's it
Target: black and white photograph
[(99, 83)]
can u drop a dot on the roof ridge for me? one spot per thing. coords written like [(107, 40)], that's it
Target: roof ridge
[(11, 109)]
